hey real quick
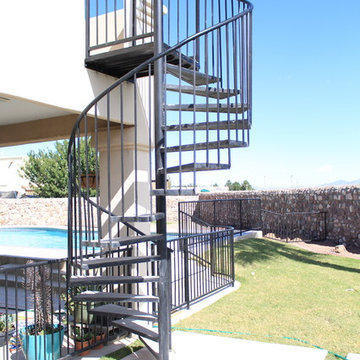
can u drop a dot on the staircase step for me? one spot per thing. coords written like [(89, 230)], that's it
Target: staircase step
[(222, 144), (197, 167), (152, 346), (95, 296), (214, 108), (88, 264), (173, 192), (98, 280), (121, 311), (135, 328), (129, 240), (213, 125), (203, 91), (188, 75), (139, 218)]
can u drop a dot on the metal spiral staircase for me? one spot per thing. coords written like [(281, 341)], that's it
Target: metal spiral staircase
[(183, 102)]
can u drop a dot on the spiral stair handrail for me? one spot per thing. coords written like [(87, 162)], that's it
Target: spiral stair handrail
[(145, 64)]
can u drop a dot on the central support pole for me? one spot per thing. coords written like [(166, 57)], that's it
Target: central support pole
[(160, 165)]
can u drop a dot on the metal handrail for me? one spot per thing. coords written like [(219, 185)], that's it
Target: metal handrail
[(150, 61), (128, 225)]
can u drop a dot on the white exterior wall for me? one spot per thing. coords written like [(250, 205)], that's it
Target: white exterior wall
[(43, 51), (10, 179)]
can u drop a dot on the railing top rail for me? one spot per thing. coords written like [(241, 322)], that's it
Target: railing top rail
[(33, 264), (93, 203), (212, 200), (229, 229), (146, 63)]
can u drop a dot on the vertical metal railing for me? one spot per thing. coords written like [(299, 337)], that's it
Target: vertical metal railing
[(241, 214), (293, 226), (200, 265), (34, 310)]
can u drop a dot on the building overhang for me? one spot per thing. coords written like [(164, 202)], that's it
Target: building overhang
[(24, 121)]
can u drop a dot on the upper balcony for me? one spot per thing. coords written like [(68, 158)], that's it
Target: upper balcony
[(120, 33)]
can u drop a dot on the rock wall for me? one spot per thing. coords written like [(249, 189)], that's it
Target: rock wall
[(341, 204), (33, 212)]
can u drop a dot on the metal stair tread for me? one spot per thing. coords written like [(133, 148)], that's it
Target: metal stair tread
[(96, 296), (188, 75), (93, 263), (121, 311), (207, 145), (79, 280), (138, 218), (135, 328), (211, 125), (129, 240), (207, 91), (218, 108), (198, 167)]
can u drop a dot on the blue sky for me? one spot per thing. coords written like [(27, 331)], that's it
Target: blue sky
[(306, 96)]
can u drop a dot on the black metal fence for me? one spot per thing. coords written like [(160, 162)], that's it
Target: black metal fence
[(200, 264), (241, 214), (294, 225), (33, 320)]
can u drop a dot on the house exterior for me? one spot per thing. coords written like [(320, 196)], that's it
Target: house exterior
[(10, 180), (165, 93)]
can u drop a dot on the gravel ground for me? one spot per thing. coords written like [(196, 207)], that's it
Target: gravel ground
[(329, 248)]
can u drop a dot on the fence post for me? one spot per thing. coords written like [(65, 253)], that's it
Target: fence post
[(186, 271), (232, 257), (240, 214)]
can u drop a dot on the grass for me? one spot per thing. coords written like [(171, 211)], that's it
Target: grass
[(287, 291), (125, 351)]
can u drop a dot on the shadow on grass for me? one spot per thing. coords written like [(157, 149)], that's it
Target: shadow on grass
[(251, 251)]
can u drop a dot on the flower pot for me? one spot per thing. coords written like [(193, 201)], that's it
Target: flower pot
[(42, 347), (81, 345), (90, 180), (99, 338)]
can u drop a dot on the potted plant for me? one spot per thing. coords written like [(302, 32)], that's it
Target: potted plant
[(42, 338), (87, 163), (6, 327), (99, 337), (78, 310), (83, 339)]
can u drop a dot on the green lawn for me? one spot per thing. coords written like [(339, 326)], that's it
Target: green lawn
[(289, 292), (125, 351)]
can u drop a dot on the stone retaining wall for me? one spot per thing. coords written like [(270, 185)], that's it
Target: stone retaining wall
[(33, 212), (342, 205)]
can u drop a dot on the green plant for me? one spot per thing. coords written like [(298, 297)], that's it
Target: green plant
[(6, 322), (47, 171), (83, 334)]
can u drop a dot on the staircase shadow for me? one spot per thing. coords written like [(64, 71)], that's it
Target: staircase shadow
[(251, 251)]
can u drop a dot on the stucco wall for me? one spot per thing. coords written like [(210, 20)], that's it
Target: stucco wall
[(342, 205)]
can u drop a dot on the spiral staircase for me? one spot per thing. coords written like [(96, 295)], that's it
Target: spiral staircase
[(182, 102)]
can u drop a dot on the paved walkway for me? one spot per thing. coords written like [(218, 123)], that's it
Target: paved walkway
[(189, 346)]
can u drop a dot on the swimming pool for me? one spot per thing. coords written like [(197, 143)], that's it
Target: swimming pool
[(51, 238)]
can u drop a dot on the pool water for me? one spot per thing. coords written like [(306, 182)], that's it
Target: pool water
[(50, 238), (34, 237)]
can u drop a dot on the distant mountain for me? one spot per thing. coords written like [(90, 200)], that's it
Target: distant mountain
[(343, 182)]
